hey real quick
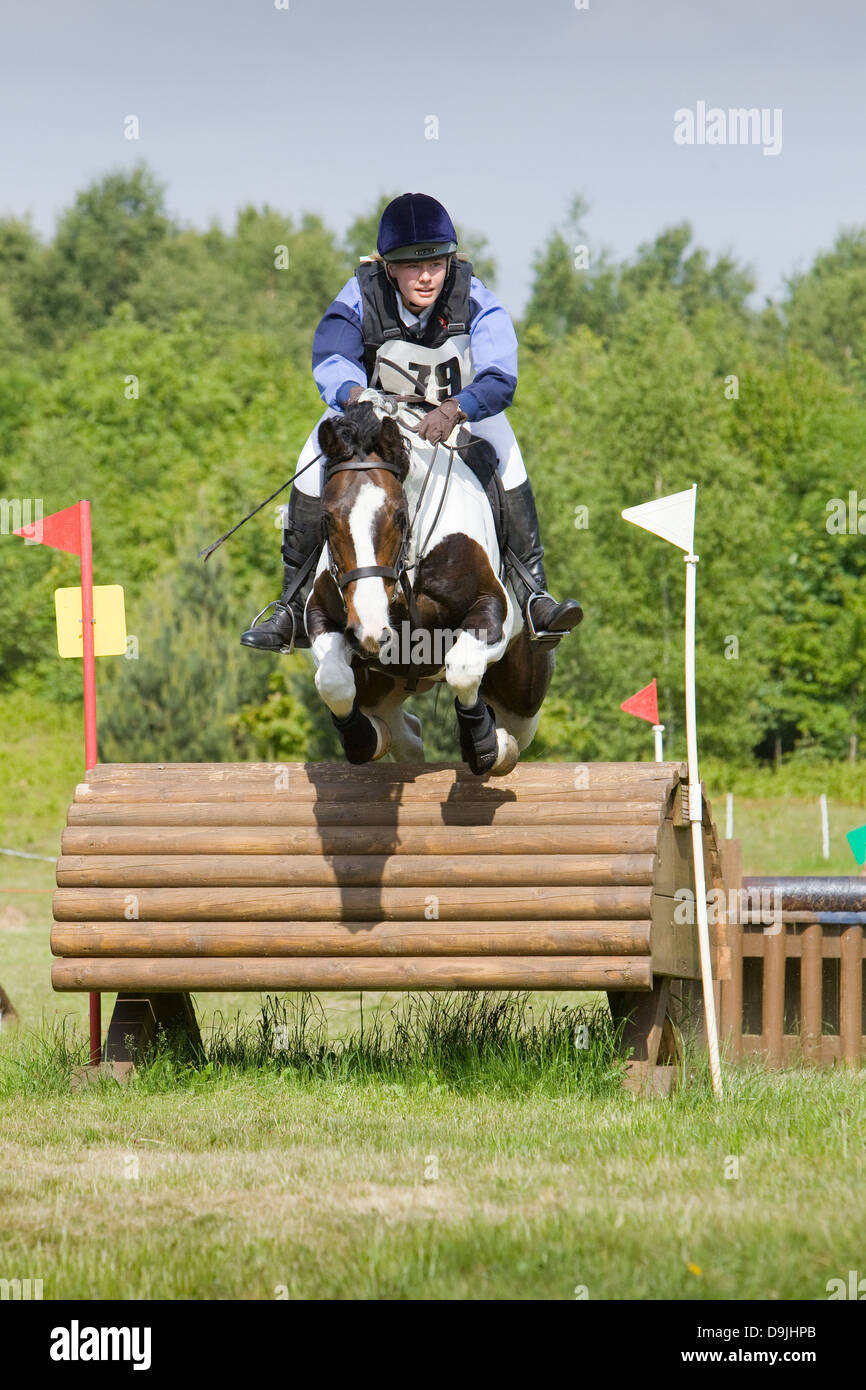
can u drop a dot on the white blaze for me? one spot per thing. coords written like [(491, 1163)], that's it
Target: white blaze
[(371, 601)]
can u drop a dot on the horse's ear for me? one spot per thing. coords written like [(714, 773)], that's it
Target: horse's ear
[(392, 446), (328, 442)]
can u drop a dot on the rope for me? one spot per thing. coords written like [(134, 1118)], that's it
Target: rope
[(406, 400)]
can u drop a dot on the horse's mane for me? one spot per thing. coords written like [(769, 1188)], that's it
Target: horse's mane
[(360, 430)]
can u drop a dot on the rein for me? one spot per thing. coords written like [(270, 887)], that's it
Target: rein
[(399, 571)]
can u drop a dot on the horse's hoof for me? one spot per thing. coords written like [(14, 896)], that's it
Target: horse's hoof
[(383, 737), (508, 755)]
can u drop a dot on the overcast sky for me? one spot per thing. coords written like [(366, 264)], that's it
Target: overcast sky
[(322, 106)]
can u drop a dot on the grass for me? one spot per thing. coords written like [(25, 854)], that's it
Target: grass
[(410, 1147), (469, 1151)]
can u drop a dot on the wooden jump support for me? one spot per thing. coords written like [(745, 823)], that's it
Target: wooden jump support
[(178, 878)]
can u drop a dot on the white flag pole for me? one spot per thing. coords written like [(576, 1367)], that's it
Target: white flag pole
[(696, 816), (658, 730), (673, 518)]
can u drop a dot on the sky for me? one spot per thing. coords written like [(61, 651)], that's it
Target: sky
[(326, 104)]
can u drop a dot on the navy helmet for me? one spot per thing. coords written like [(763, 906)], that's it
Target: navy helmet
[(415, 227)]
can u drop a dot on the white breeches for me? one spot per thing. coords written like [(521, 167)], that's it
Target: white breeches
[(495, 429)]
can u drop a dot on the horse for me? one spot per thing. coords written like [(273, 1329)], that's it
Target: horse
[(409, 593)]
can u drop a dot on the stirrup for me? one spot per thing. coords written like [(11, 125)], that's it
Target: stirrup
[(543, 637), (284, 650)]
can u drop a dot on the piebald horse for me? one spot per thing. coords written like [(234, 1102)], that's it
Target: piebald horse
[(408, 594)]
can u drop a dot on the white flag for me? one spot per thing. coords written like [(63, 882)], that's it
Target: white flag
[(671, 517)]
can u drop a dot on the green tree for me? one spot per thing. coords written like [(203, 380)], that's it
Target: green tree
[(97, 253), (698, 282), (574, 282), (180, 698), (825, 307)]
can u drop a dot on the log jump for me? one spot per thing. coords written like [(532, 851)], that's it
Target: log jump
[(180, 878)]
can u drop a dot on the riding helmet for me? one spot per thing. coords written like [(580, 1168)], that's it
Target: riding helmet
[(415, 227)]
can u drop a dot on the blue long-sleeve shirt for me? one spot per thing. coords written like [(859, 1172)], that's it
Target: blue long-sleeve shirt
[(338, 351)]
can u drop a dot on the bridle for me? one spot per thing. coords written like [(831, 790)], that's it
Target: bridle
[(399, 571)]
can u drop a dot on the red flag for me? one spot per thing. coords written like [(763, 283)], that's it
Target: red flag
[(60, 530), (645, 704)]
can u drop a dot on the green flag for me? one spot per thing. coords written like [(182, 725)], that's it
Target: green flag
[(857, 841)]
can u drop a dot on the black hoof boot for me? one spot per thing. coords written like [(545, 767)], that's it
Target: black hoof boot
[(357, 736), (478, 744)]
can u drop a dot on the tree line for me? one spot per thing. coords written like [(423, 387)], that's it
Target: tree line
[(164, 372)]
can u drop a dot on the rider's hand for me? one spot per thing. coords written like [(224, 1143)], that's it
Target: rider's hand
[(439, 423), (353, 395)]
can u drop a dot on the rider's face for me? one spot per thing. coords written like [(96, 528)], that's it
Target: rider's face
[(419, 282)]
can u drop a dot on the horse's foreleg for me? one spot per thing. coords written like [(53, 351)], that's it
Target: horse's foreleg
[(473, 650), (484, 747), (364, 739), (335, 679)]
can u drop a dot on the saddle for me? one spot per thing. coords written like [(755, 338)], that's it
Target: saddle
[(481, 460)]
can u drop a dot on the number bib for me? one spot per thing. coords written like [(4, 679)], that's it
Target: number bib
[(440, 372)]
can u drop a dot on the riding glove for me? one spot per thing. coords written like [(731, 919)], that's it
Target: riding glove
[(439, 423)]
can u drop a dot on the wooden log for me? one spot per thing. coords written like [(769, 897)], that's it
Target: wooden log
[(483, 798), (160, 939), (814, 893), (731, 857), (533, 903), (418, 871), (811, 991), (357, 973), (774, 997), (402, 776), (851, 995), (492, 841), (391, 814), (387, 783)]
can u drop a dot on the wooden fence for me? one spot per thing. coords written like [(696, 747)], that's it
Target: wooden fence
[(791, 985)]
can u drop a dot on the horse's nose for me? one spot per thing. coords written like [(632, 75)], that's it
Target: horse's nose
[(369, 642)]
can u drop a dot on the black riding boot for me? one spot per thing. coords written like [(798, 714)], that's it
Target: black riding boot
[(546, 620), (302, 539)]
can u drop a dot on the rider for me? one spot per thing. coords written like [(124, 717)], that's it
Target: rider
[(416, 307)]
